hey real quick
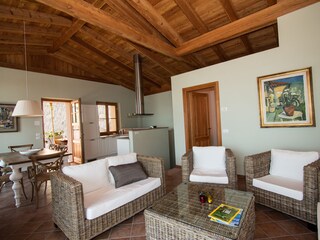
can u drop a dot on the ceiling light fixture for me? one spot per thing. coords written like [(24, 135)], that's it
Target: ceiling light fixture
[(26, 108)]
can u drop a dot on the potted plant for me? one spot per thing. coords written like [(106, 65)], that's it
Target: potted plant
[(290, 101), (55, 137)]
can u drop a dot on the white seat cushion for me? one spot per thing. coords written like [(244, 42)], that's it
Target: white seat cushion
[(209, 176), (107, 199), (284, 186), (290, 163), (92, 175), (209, 157)]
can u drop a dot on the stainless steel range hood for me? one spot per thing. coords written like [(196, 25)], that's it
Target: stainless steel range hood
[(139, 89)]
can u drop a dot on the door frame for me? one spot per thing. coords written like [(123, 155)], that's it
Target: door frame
[(186, 110)]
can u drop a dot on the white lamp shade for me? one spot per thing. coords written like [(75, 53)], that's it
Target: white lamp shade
[(27, 108)]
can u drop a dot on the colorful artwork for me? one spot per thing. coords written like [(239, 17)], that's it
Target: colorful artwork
[(286, 99), (7, 122)]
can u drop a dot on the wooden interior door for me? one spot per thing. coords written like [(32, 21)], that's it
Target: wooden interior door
[(199, 116), (196, 110), (77, 143)]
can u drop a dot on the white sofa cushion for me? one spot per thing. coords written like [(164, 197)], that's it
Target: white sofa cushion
[(92, 175), (209, 157), (290, 163), (120, 160), (107, 199), (284, 186), (209, 176)]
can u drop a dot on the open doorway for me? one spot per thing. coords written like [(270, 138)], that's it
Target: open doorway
[(202, 115), (57, 123)]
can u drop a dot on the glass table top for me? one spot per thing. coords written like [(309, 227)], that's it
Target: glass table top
[(183, 204)]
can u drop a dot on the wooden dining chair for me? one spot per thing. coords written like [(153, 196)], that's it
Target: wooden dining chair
[(40, 171), (16, 148)]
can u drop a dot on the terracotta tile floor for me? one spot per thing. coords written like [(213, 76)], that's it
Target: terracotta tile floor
[(27, 223)]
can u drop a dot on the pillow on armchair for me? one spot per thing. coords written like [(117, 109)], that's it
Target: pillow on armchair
[(211, 157), (290, 164)]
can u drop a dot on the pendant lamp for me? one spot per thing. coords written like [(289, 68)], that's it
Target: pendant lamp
[(26, 108)]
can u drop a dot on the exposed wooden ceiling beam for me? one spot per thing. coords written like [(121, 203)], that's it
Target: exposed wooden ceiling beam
[(86, 12), (148, 12), (18, 28), (33, 16), (76, 25), (263, 18)]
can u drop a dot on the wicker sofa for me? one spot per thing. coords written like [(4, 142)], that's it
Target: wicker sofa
[(68, 207), (187, 164), (258, 166)]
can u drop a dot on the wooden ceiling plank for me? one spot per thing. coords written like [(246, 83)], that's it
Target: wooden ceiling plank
[(102, 69), (220, 53), (88, 13), (154, 58), (263, 18), (13, 49), (110, 59), (119, 51), (76, 25), (125, 9), (33, 16), (30, 42), (31, 30), (233, 17), (85, 67), (149, 12), (192, 15)]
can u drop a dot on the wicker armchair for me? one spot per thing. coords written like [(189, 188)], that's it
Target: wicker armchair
[(187, 167), (68, 210), (258, 165)]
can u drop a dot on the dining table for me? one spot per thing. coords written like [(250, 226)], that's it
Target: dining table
[(17, 161)]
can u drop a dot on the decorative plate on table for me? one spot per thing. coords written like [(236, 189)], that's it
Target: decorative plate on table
[(30, 151)]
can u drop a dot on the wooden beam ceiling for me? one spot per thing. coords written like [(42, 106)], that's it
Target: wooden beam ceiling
[(263, 18)]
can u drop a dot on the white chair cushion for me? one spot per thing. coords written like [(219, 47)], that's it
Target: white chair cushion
[(119, 160), (209, 157), (107, 199), (209, 176), (92, 175), (284, 186), (290, 163)]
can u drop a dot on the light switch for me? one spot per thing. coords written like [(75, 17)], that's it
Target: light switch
[(224, 109), (37, 123), (225, 130)]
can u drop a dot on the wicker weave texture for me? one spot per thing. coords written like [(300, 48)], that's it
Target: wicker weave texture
[(164, 221), (187, 167), (258, 165), (68, 208)]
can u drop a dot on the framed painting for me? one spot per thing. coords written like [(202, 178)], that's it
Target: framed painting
[(7, 122), (286, 99)]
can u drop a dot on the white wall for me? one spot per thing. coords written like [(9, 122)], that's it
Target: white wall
[(299, 36), (13, 88)]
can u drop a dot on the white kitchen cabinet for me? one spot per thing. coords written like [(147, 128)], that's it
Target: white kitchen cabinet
[(112, 146), (90, 128), (89, 113), (90, 149)]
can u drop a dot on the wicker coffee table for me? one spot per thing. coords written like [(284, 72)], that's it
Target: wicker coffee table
[(180, 215)]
